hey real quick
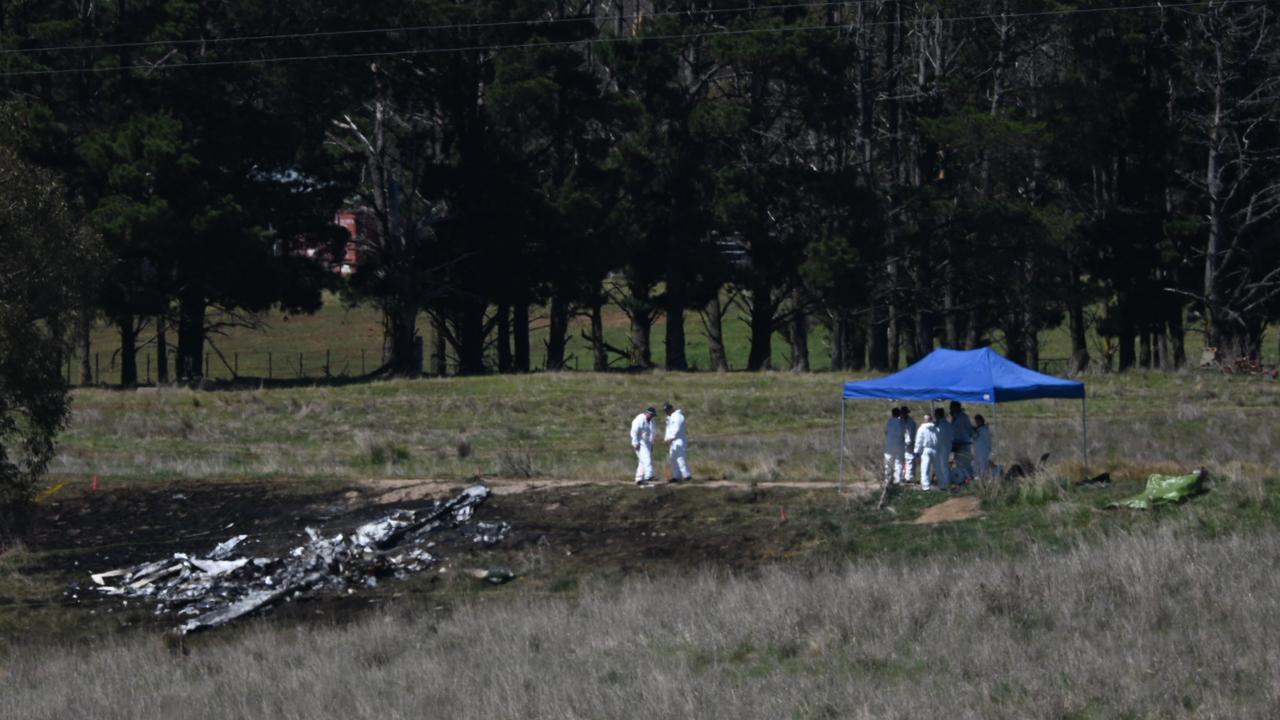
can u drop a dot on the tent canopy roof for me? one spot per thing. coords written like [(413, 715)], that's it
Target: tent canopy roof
[(975, 376)]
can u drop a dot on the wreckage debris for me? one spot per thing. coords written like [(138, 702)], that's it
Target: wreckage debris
[(493, 575), (216, 589)]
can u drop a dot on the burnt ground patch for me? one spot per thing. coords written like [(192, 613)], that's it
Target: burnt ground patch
[(559, 539)]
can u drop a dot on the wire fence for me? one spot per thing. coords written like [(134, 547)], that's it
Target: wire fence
[(270, 365), (105, 368)]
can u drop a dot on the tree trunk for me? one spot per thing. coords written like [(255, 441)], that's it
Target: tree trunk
[(128, 351), (1145, 359), (893, 344), (471, 336), (878, 337), (923, 336), (1126, 338), (855, 353), (951, 314), (713, 322), (504, 338), (520, 329), (971, 329), (800, 341), (922, 331), (439, 350), (1075, 319), (675, 340), (893, 339), (557, 333), (83, 337), (599, 353), (1014, 340), (1031, 344), (191, 310), (760, 356), (839, 330), (1164, 360), (641, 327), (1177, 338), (400, 321), (162, 350)]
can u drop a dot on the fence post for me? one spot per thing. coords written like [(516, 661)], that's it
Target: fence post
[(299, 364), (327, 368), (148, 369), (236, 371), (361, 361), (207, 367)]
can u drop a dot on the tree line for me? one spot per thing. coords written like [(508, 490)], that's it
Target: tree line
[(906, 173)]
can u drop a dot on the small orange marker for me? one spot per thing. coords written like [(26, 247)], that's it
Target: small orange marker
[(94, 486), (782, 515)]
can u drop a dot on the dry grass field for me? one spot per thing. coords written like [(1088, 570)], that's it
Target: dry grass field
[(1142, 627), (750, 600), (743, 426)]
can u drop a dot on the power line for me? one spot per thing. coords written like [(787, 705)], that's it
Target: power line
[(597, 40), (540, 22), (546, 21)]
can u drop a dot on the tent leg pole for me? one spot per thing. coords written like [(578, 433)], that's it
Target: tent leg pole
[(841, 483)]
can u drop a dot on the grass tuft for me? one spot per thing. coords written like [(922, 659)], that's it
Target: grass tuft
[(516, 464)]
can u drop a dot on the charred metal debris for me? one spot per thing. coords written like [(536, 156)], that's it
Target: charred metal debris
[(223, 585)]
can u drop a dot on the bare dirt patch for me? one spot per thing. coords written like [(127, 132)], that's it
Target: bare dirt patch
[(385, 491), (953, 510)]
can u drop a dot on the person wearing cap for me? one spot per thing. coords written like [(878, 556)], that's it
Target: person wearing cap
[(909, 457), (928, 444), (895, 446), (677, 439), (961, 440), (642, 443)]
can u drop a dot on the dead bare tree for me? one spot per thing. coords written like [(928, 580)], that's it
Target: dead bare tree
[(1231, 106), (395, 143)]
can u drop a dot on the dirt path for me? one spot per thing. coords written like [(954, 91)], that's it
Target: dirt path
[(405, 490), (953, 510)]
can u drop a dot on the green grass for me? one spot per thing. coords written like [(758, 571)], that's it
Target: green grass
[(743, 426)]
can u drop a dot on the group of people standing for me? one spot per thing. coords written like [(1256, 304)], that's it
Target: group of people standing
[(676, 437), (948, 450)]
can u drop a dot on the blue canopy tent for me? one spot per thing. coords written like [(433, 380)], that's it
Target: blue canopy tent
[(973, 376)]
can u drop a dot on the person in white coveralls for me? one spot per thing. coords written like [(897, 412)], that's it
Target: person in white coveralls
[(909, 428), (895, 446), (677, 437), (928, 444), (642, 443)]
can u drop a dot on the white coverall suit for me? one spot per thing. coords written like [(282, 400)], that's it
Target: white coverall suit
[(678, 454), (928, 443), (982, 450), (909, 428), (895, 446), (642, 443)]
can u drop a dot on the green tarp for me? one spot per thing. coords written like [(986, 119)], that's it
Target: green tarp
[(1163, 489)]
